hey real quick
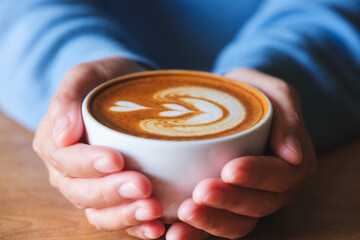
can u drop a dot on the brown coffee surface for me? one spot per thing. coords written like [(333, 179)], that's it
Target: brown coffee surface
[(177, 105)]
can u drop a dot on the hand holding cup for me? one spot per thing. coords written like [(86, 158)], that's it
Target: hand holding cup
[(93, 177), (177, 127)]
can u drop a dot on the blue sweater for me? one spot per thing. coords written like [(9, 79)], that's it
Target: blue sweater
[(312, 44)]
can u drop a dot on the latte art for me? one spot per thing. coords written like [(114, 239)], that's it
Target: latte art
[(213, 112), (173, 106)]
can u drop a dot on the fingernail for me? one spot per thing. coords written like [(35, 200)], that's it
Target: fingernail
[(105, 166), (129, 190), (142, 214), (293, 143), (214, 197), (60, 127)]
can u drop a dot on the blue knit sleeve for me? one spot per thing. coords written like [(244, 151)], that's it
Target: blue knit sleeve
[(41, 39), (315, 46)]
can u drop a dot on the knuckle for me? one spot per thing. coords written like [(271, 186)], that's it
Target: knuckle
[(68, 189), (251, 177), (81, 70), (54, 161), (128, 219), (233, 205), (91, 215), (70, 194), (291, 182), (230, 231), (104, 194), (283, 87), (124, 220), (295, 119), (269, 206), (288, 90), (133, 231), (82, 169), (211, 225), (61, 97), (101, 195)]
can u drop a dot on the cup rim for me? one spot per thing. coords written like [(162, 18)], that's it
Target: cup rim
[(264, 120)]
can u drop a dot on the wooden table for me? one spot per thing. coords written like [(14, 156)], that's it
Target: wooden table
[(328, 205)]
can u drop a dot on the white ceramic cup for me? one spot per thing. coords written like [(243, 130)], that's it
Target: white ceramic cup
[(175, 167)]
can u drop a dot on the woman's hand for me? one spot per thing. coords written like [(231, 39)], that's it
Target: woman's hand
[(251, 187), (92, 177)]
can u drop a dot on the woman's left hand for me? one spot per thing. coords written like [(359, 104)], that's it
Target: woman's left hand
[(251, 187)]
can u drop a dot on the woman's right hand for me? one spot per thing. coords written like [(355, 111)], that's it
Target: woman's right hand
[(93, 177)]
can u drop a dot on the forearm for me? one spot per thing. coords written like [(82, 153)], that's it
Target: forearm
[(43, 39), (315, 46)]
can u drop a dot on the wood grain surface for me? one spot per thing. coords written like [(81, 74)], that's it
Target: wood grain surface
[(327, 207)]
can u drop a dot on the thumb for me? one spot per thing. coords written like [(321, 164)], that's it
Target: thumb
[(288, 130), (65, 106), (66, 120)]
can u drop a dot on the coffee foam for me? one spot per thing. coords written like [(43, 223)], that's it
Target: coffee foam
[(214, 112), (176, 107)]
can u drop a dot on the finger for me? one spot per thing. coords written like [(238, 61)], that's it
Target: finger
[(288, 129), (150, 230), (215, 221), (125, 215), (78, 160), (184, 231), (64, 108), (263, 173), (82, 160), (248, 202), (102, 192), (65, 118)]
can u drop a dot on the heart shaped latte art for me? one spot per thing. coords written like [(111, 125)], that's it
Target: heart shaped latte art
[(126, 106), (215, 111)]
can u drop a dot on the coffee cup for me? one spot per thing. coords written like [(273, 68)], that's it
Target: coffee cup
[(177, 127)]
